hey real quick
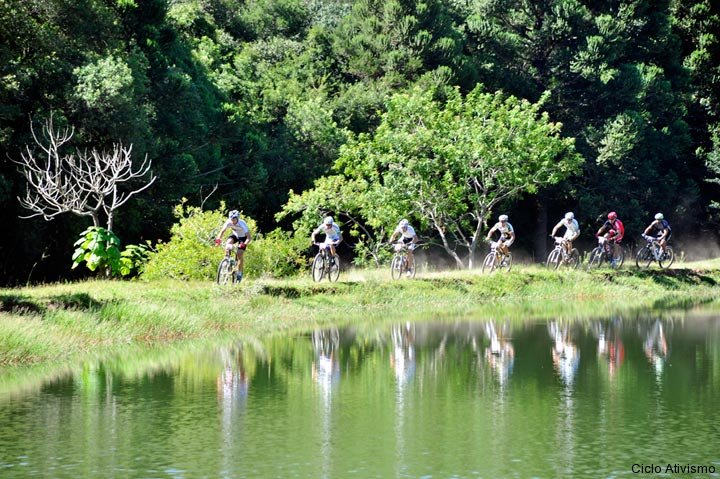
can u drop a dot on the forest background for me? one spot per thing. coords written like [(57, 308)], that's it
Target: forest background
[(258, 98)]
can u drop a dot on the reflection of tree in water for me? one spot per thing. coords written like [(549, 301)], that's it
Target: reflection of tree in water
[(565, 354), (610, 346), (500, 355), (656, 347)]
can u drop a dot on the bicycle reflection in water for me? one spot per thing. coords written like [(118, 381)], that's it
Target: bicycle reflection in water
[(656, 348), (565, 354), (500, 355), (610, 346)]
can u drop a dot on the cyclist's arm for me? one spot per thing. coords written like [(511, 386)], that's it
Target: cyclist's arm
[(492, 230), (647, 230), (247, 236), (512, 238), (415, 239), (312, 236), (392, 238), (220, 234), (554, 231), (340, 237), (600, 231)]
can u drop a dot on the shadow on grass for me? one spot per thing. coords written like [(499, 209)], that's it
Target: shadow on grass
[(26, 305), (671, 277)]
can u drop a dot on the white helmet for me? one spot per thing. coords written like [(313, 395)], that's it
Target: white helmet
[(659, 216), (234, 214), (328, 220), (403, 223), (503, 218), (569, 215)]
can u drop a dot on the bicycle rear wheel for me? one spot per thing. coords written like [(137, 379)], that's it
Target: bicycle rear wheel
[(667, 257), (644, 257), (596, 257), (554, 259), (318, 268), (574, 259), (225, 273), (506, 263), (489, 263), (396, 267), (334, 269)]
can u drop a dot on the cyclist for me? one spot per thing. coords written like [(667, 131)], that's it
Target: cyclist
[(332, 233), (572, 230), (660, 228), (240, 234), (507, 234), (613, 230), (409, 239)]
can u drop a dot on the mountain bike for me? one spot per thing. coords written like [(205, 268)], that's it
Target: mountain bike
[(606, 252), (653, 252), (399, 264), (560, 257), (325, 264), (496, 259), (226, 268)]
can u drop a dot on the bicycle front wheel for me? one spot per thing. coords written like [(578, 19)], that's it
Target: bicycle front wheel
[(489, 263), (225, 273), (334, 269), (667, 258), (644, 257), (619, 259), (553, 259), (596, 257), (318, 268), (396, 267)]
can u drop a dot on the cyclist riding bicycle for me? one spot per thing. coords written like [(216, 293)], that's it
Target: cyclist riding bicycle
[(507, 234), (409, 239), (572, 230), (613, 230), (240, 234), (660, 228), (332, 233)]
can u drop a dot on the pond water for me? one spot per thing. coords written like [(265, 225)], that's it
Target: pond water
[(605, 398)]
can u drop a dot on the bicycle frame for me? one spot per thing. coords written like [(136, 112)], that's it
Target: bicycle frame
[(325, 265)]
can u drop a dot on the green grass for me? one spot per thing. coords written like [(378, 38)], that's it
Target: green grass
[(62, 322)]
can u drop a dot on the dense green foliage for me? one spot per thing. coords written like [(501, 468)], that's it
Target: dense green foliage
[(259, 97)]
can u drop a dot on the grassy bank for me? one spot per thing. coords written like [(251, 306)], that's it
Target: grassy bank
[(58, 323)]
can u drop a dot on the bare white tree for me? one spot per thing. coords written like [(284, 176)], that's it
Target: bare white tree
[(80, 183)]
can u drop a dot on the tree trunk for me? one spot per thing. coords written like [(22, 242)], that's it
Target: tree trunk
[(541, 229)]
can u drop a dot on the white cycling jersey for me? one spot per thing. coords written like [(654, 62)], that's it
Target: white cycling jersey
[(572, 228), (239, 229), (331, 234), (408, 233), (504, 230)]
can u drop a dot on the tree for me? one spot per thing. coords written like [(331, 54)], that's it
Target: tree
[(81, 183), (450, 163)]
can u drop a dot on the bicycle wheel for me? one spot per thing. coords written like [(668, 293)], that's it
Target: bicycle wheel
[(554, 259), (574, 260), (506, 263), (334, 268), (667, 258), (225, 272), (318, 268), (489, 263), (396, 267), (644, 257), (596, 257), (410, 270)]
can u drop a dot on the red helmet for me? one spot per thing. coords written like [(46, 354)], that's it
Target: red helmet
[(612, 215)]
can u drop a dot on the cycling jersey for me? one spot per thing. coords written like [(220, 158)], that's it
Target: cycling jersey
[(572, 228), (331, 234), (617, 226), (240, 229), (408, 233), (504, 230), (660, 225)]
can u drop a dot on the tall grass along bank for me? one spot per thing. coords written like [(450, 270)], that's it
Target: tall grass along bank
[(57, 323)]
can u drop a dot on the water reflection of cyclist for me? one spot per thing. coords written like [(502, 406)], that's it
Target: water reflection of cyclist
[(409, 240), (402, 357), (565, 355), (656, 347), (326, 365), (233, 383), (501, 353), (610, 345)]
